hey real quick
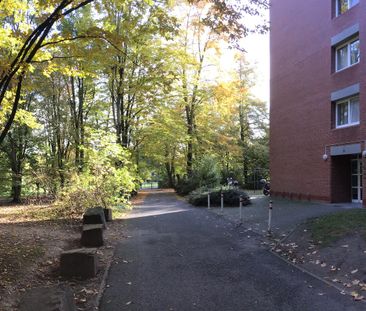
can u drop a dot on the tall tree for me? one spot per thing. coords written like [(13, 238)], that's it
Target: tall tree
[(139, 71), (207, 23), (29, 25), (18, 143)]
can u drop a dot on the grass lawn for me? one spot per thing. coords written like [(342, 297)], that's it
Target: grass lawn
[(330, 228)]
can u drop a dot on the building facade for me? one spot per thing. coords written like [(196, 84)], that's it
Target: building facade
[(318, 99)]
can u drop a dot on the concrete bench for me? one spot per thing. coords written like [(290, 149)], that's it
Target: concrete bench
[(92, 235), (107, 214), (81, 263), (55, 298), (94, 215)]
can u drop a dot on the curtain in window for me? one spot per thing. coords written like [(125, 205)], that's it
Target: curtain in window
[(355, 52), (342, 114), (342, 57), (354, 110)]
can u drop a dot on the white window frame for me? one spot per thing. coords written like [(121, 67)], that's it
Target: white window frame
[(348, 6), (348, 101), (348, 44)]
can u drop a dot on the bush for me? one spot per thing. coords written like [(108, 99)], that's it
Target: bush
[(206, 174), (185, 186), (231, 197), (107, 181)]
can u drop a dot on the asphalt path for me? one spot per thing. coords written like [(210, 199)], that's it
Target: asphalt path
[(176, 257)]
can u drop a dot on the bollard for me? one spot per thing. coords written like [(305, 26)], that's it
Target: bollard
[(240, 209), (208, 201), (270, 206), (222, 202)]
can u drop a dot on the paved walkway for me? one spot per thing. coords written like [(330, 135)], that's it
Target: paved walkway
[(180, 258), (286, 214)]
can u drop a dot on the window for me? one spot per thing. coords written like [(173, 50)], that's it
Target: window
[(347, 54), (344, 5), (347, 112)]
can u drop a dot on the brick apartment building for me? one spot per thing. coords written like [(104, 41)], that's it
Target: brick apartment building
[(318, 99)]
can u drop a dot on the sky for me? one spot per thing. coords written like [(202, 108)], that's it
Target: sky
[(257, 47)]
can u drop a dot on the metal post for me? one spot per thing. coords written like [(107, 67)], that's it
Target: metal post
[(240, 209), (270, 207), (222, 202), (208, 201)]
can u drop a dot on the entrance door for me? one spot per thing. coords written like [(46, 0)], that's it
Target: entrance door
[(356, 172)]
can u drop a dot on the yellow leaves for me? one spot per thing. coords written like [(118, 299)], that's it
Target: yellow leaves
[(356, 296), (8, 41), (215, 45), (149, 2), (12, 7), (18, 10), (109, 27), (6, 106), (70, 71), (51, 68), (42, 55), (26, 118)]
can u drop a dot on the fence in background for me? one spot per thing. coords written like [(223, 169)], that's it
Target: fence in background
[(150, 184)]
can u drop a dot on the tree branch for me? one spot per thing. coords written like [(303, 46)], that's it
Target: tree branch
[(14, 110)]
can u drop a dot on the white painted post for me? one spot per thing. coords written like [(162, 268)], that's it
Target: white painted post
[(240, 209), (270, 206), (222, 202), (208, 201)]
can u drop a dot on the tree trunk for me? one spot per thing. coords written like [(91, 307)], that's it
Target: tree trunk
[(244, 128), (190, 154), (16, 187), (170, 171)]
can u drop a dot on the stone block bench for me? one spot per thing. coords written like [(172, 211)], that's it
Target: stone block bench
[(92, 235), (55, 298), (94, 215), (107, 214), (81, 263)]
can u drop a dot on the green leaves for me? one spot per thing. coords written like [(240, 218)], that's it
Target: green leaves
[(123, 85), (25, 117)]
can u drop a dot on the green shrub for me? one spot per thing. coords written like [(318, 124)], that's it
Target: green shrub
[(185, 186), (231, 197), (206, 174), (107, 181)]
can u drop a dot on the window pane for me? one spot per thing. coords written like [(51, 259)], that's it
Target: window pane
[(354, 167), (354, 193), (342, 6), (352, 3), (354, 180), (342, 58), (342, 114), (355, 110), (355, 51)]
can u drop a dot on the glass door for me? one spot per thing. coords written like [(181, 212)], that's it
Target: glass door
[(356, 175)]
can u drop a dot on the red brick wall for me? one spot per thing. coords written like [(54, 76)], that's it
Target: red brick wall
[(301, 83)]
